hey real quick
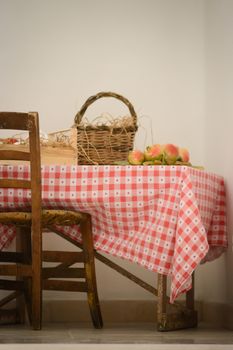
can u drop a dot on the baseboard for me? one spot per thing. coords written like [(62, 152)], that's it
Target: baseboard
[(228, 312), (113, 311), (216, 315)]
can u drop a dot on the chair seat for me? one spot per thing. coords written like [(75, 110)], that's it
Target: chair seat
[(48, 217)]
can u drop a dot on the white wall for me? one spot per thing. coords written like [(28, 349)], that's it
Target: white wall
[(219, 126), (56, 53)]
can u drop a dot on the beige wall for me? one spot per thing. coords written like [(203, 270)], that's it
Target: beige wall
[(56, 53), (219, 124)]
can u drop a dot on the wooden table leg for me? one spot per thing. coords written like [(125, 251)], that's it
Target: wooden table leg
[(162, 301), (190, 296), (185, 317)]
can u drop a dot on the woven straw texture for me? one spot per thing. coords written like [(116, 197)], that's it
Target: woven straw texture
[(104, 144)]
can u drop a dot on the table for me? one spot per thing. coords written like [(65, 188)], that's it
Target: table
[(165, 218)]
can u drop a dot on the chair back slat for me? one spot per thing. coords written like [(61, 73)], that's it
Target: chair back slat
[(14, 121), (27, 122), (10, 183), (14, 155)]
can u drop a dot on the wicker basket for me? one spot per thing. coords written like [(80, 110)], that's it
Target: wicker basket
[(104, 144)]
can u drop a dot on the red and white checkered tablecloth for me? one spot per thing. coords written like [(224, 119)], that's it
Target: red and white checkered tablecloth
[(165, 218)]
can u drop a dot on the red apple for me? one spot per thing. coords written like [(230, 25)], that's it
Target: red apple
[(136, 157), (154, 152), (171, 153), (183, 155)]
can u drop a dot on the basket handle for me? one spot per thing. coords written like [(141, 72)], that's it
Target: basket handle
[(94, 98)]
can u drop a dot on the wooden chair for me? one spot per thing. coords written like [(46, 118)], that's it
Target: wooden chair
[(30, 275), (25, 265)]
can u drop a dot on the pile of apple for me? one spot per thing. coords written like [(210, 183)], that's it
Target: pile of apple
[(157, 154)]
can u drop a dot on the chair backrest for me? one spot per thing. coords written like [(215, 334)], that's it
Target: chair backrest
[(25, 122)]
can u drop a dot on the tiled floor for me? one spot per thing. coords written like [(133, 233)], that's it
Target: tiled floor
[(60, 333)]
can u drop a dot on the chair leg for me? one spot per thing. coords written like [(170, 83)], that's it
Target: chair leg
[(23, 243), (22, 246), (36, 278), (89, 264)]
